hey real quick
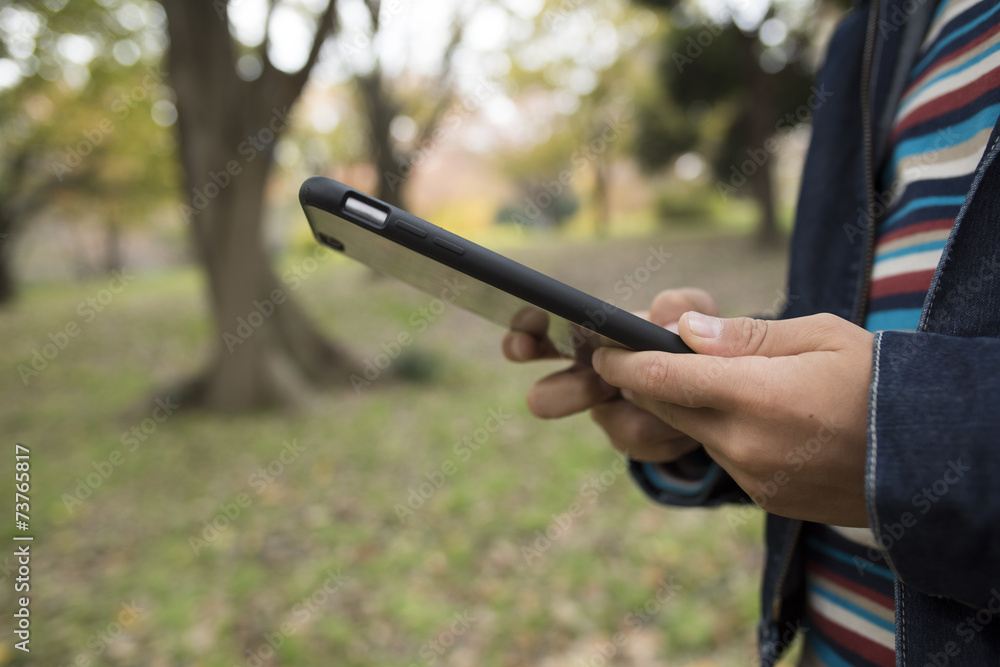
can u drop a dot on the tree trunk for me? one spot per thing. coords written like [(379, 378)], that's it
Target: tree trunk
[(8, 286), (602, 197), (267, 352), (394, 163), (768, 234), (761, 120), (392, 174), (112, 244)]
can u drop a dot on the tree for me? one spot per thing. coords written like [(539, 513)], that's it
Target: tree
[(266, 349), (574, 79), (404, 103), (76, 130), (384, 103), (24, 191), (751, 74)]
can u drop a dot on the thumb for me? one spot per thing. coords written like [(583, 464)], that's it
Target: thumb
[(745, 336)]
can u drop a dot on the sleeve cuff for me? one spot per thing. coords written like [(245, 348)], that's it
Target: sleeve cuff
[(693, 480)]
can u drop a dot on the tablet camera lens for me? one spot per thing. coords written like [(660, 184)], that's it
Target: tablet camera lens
[(329, 241)]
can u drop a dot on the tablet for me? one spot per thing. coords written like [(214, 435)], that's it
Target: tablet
[(453, 268)]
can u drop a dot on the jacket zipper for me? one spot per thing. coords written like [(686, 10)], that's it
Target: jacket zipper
[(862, 297), (861, 307), (786, 564)]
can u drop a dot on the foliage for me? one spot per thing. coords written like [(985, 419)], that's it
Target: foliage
[(707, 68), (77, 130), (574, 80), (730, 81), (690, 205)]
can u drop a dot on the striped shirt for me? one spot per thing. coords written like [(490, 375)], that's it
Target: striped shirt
[(940, 132), (849, 599)]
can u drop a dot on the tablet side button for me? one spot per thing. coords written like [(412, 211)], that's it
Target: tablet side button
[(407, 227), (448, 245)]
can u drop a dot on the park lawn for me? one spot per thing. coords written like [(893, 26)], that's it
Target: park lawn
[(427, 518)]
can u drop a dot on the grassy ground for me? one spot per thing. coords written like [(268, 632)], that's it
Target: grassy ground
[(280, 538)]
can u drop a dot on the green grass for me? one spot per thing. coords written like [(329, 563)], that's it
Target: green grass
[(330, 514)]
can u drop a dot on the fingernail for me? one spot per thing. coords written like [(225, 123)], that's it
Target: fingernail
[(704, 326), (627, 394)]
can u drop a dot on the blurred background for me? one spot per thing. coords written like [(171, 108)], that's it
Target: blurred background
[(246, 450)]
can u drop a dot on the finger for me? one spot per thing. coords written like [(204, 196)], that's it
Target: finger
[(703, 425), (669, 326), (530, 320), (688, 380), (743, 336), (639, 434), (669, 305), (718, 377), (567, 392), (520, 346)]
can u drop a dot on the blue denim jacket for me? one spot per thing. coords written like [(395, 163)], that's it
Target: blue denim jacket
[(933, 468)]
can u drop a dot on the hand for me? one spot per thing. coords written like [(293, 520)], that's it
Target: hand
[(631, 429), (781, 405)]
